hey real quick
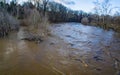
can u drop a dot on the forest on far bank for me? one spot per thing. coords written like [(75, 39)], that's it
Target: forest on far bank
[(39, 13)]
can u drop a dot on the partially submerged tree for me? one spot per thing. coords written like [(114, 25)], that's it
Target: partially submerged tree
[(102, 9)]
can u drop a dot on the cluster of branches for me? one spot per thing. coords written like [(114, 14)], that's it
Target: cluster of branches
[(104, 9)]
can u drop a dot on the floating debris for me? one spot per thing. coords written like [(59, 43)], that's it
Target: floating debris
[(98, 58)]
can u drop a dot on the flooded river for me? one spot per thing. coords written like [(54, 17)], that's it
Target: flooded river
[(72, 49)]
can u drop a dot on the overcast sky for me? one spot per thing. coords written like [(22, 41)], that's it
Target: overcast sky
[(85, 5)]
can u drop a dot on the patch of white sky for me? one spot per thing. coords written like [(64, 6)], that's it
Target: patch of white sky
[(85, 5)]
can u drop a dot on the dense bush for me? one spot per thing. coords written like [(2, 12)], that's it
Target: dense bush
[(85, 20), (36, 22), (7, 23)]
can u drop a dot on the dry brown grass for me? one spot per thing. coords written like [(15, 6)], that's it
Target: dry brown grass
[(37, 23)]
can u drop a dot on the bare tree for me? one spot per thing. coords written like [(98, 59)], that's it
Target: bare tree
[(103, 8), (43, 3)]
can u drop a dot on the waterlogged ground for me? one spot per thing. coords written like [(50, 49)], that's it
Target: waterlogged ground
[(72, 49)]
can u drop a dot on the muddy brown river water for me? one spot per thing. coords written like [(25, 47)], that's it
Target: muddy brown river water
[(73, 49)]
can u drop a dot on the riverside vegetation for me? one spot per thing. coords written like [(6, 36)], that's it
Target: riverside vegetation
[(38, 16)]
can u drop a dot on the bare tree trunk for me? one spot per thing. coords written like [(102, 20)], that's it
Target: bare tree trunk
[(44, 10), (103, 22), (45, 2), (17, 11)]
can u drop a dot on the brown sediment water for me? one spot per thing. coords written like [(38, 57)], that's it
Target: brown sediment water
[(73, 49)]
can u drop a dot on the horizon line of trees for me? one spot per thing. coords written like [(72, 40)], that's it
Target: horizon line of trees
[(56, 12)]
